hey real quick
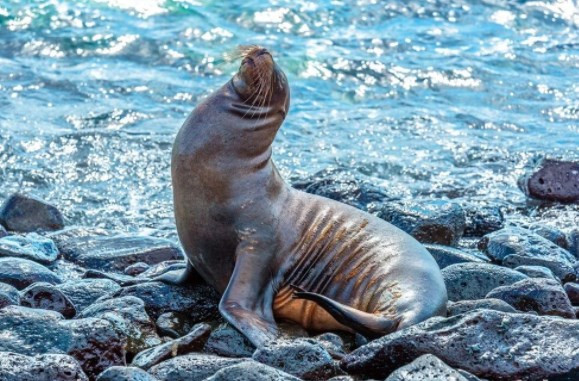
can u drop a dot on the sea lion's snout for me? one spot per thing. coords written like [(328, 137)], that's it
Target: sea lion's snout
[(256, 77)]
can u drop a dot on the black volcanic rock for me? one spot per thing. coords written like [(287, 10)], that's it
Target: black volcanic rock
[(27, 214), (46, 296), (21, 273), (552, 180), (48, 367)]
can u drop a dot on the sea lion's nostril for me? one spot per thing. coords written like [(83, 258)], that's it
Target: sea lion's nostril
[(261, 52)]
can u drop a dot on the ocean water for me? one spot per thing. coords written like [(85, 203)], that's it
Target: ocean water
[(428, 99)]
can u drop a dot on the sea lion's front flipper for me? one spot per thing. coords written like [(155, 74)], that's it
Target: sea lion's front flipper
[(183, 277), (369, 325), (247, 301)]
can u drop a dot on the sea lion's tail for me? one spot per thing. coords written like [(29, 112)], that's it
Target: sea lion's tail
[(367, 324)]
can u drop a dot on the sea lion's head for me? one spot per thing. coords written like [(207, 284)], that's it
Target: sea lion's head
[(261, 84)]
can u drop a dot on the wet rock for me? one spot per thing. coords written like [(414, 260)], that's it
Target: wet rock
[(84, 292), (3, 232), (94, 343), (333, 343), (121, 279), (163, 267), (137, 268), (229, 342), (125, 373), (515, 346), (536, 272), (446, 255), (191, 367), (32, 246), (21, 273), (525, 244), (563, 272), (46, 296), (174, 324), (303, 358), (475, 280), (49, 367), (426, 367), (482, 219), (544, 296), (128, 315), (552, 180), (572, 290), (342, 185), (9, 295), (463, 306), (27, 214), (199, 302), (341, 378), (431, 221), (193, 341), (552, 234), (573, 238), (115, 253), (251, 371)]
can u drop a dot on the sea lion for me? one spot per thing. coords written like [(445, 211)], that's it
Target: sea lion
[(274, 252)]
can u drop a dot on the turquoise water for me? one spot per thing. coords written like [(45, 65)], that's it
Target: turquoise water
[(427, 99)]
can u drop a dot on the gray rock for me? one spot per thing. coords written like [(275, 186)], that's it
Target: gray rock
[(425, 368), (3, 232), (137, 268), (193, 341), (31, 246), (563, 272), (125, 373), (84, 292), (431, 221), (464, 306), (552, 234), (115, 253), (174, 324), (524, 243), (341, 378), (482, 219), (515, 346), (198, 301), (9, 295), (251, 371), (572, 290), (46, 296), (49, 367), (229, 342), (303, 358), (27, 214), (333, 343), (94, 343), (551, 180), (191, 367), (128, 315), (475, 280), (446, 255), (121, 279), (573, 238), (536, 272), (163, 267), (21, 273), (544, 296)]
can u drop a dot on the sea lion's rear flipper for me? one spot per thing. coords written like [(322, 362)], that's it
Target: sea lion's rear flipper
[(369, 325), (183, 277)]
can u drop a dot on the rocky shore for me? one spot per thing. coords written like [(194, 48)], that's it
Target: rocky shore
[(77, 303)]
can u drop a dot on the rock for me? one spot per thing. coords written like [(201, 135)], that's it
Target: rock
[(94, 343), (515, 346), (163, 267), (84, 292), (21, 273), (27, 214), (193, 341), (251, 371), (341, 378), (563, 272), (446, 255), (303, 358), (46, 296), (572, 290), (552, 234), (333, 343), (524, 243), (464, 306), (544, 296), (229, 342), (431, 221), (125, 373), (3, 232), (121, 279), (32, 246), (536, 272), (552, 180), (482, 219), (137, 268), (128, 315), (173, 324), (191, 367), (49, 367), (573, 239), (199, 302), (9, 295), (115, 253), (425, 367), (341, 185), (475, 280)]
